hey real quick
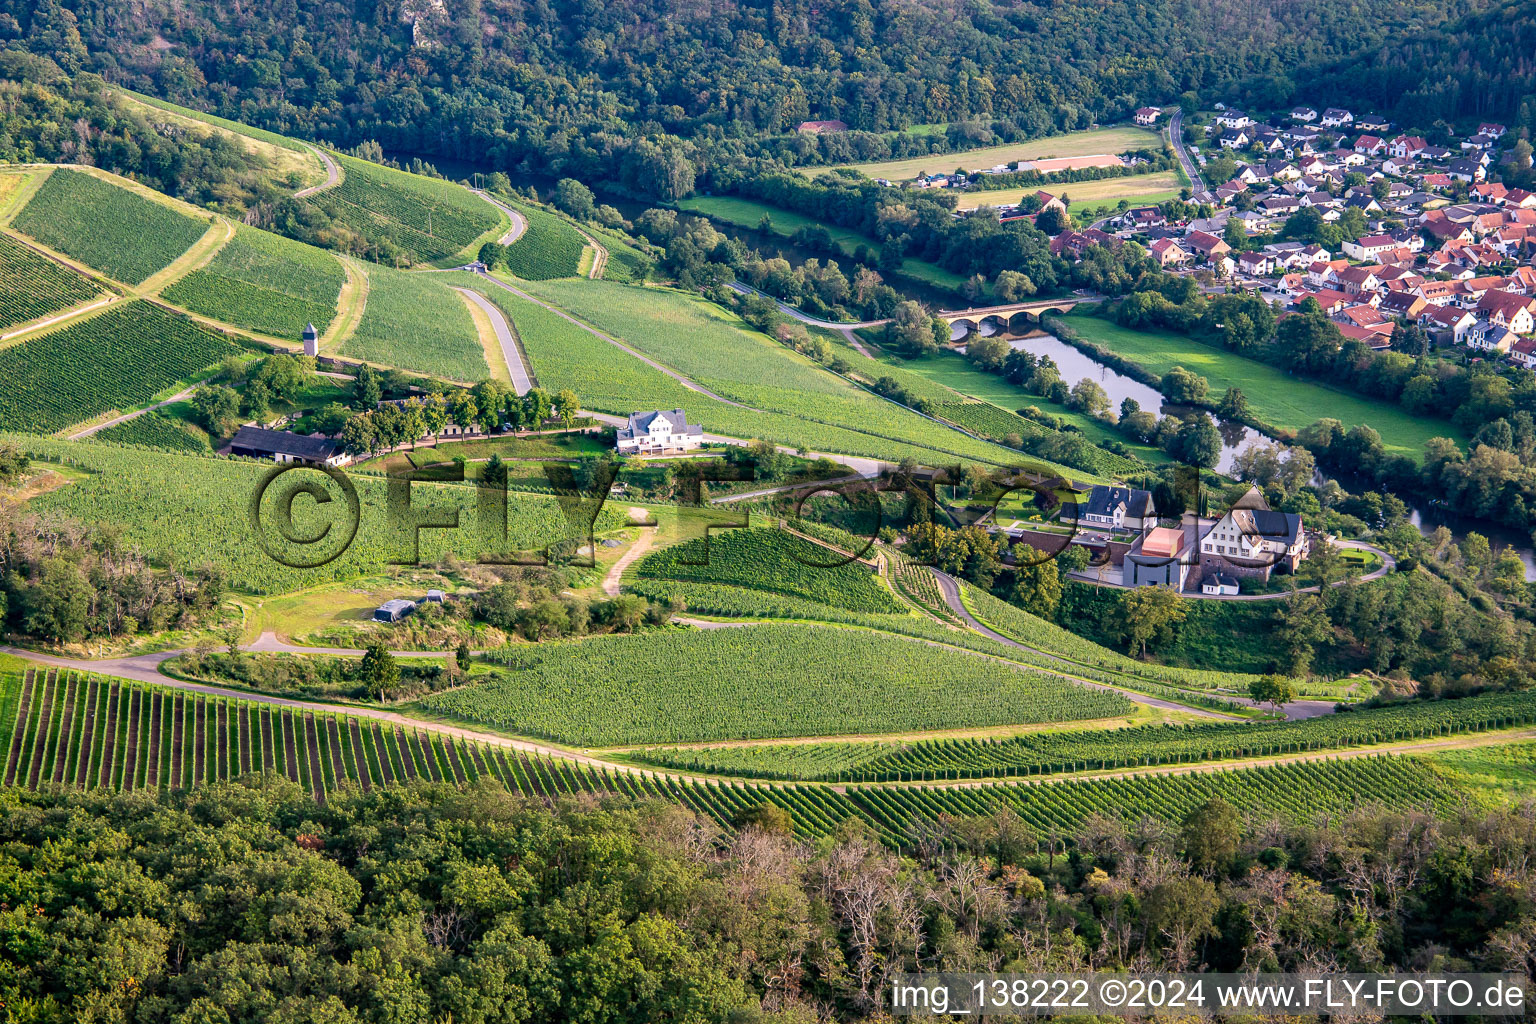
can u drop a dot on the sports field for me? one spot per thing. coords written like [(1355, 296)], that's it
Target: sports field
[(1138, 189), (1099, 140)]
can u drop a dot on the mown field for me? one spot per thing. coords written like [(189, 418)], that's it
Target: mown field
[(611, 380), (33, 286), (116, 359), (1050, 753), (107, 227), (759, 681), (266, 283), (427, 219), (549, 248), (417, 322), (713, 347), (772, 560), (748, 213), (1136, 189), (70, 729), (1085, 143), (153, 496), (1276, 398)]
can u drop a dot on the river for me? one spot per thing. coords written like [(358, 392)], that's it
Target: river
[(1075, 365)]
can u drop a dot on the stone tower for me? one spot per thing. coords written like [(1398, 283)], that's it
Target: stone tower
[(311, 340)]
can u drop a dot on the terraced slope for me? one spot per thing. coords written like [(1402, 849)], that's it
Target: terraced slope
[(264, 282), (106, 226)]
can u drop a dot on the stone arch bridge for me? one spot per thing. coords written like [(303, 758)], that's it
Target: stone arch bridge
[(1013, 318)]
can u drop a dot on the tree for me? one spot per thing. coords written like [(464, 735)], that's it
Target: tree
[(1197, 442), (574, 198), (1272, 690), (1183, 912), (462, 656), (1089, 397), (1037, 588), (1151, 618), (1235, 235), (567, 405), (911, 330), (1233, 405), (1184, 387), (378, 671), (434, 415), (1210, 836), (218, 408), (1302, 625)]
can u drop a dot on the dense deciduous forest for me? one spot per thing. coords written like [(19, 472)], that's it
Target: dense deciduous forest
[(250, 902), (648, 95)]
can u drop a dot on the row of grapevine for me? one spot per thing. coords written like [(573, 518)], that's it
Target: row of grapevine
[(157, 430), (117, 359), (1048, 753), (108, 227), (33, 286), (264, 282), (423, 218), (549, 248), (87, 731), (772, 560)]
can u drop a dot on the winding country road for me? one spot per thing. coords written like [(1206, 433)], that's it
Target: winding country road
[(332, 173), (950, 588), (510, 351), (519, 222)]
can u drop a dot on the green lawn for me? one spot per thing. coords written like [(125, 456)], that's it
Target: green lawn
[(748, 213), (1277, 398)]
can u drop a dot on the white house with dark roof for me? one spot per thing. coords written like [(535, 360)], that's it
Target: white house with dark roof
[(282, 446), (1113, 508), (659, 432)]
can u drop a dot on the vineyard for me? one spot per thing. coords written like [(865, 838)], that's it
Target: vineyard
[(773, 560), (264, 282), (33, 286), (129, 488), (669, 686), (1047, 753), (87, 731), (711, 346), (157, 430), (117, 359), (425, 219), (549, 248), (107, 227), (417, 322)]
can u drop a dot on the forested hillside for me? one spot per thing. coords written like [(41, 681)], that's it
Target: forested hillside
[(650, 94)]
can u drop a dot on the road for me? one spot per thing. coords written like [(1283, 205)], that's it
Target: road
[(805, 318), (519, 222), (616, 343), (125, 417), (1176, 139), (521, 382), (332, 173), (950, 588)]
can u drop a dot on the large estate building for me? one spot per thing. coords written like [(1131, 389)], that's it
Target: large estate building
[(659, 432)]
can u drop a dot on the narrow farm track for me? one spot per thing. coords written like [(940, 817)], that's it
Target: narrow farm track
[(686, 382), (805, 318), (511, 352), (179, 396), (950, 588), (198, 256), (519, 222), (615, 575), (332, 173)]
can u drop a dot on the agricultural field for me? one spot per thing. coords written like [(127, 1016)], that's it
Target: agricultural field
[(157, 430), (1136, 189), (761, 681), (550, 247), (748, 213), (626, 263), (127, 487), (32, 286), (711, 346), (116, 359), (427, 220), (1285, 402), (92, 732), (775, 561), (1501, 775), (264, 282), (106, 226), (1085, 143), (1053, 753), (415, 321), (610, 380)]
